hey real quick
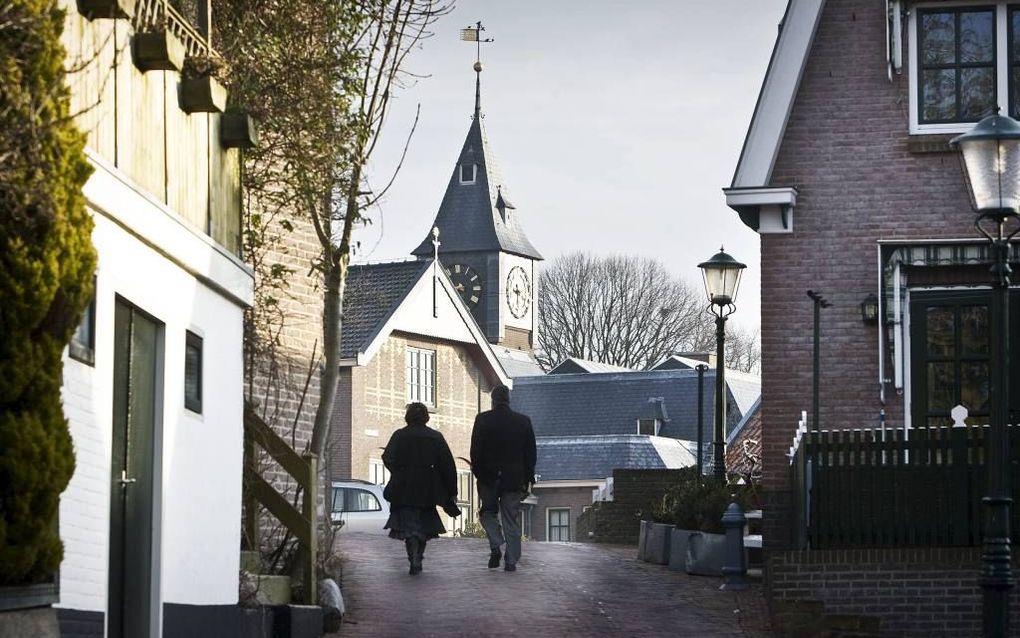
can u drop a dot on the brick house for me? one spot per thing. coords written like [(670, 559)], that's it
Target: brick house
[(153, 377), (408, 337), (847, 176)]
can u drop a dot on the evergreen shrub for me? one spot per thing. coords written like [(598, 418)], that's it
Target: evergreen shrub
[(46, 267), (697, 502)]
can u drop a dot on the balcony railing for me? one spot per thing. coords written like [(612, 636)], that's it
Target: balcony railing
[(157, 15)]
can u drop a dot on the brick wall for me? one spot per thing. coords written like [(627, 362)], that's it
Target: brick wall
[(371, 401), (915, 592), (635, 494)]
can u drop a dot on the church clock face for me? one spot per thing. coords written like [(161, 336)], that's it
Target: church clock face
[(467, 282), (518, 292)]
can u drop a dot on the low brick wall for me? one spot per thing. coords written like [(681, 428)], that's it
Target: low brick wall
[(635, 494), (913, 591)]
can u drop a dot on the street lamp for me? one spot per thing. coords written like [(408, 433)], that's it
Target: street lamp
[(722, 277), (991, 157)]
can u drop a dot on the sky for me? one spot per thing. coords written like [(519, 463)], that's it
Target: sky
[(615, 123)]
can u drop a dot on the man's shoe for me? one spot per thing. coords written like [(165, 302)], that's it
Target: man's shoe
[(494, 557), (510, 567)]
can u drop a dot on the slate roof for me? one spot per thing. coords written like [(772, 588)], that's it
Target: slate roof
[(681, 362), (595, 457), (575, 365), (468, 218), (373, 293), (517, 363), (574, 405)]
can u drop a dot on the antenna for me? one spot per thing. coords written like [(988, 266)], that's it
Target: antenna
[(474, 34)]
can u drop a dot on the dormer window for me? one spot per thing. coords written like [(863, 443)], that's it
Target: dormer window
[(964, 64), (468, 173), (649, 427)]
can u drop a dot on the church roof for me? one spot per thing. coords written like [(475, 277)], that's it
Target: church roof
[(469, 218)]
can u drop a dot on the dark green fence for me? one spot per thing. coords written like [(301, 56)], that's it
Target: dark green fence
[(869, 488)]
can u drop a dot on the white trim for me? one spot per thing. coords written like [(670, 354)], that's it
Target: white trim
[(110, 193), (474, 174), (775, 101), (767, 210), (1001, 65), (569, 483)]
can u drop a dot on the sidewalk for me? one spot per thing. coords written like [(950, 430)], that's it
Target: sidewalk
[(559, 589)]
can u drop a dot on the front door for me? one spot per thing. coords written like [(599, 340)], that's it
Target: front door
[(137, 341)]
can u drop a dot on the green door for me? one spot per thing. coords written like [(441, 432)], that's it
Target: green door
[(135, 372)]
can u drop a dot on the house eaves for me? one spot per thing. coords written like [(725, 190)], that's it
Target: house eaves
[(771, 114)]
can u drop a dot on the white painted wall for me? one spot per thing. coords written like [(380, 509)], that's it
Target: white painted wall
[(189, 283)]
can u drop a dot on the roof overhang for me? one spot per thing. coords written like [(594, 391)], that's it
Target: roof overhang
[(762, 208)]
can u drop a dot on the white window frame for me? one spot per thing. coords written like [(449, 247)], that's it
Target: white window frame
[(1001, 64), (474, 174), (377, 472), (548, 524), (420, 373), (656, 426)]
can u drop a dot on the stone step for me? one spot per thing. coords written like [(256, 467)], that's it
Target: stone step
[(251, 561)]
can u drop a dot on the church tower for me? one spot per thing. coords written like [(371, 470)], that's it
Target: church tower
[(482, 244)]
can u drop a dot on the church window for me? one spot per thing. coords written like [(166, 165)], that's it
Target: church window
[(421, 376), (468, 173)]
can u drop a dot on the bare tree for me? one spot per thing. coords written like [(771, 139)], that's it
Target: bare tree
[(743, 350), (621, 310)]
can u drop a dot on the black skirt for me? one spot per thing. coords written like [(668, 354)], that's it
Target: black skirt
[(406, 521)]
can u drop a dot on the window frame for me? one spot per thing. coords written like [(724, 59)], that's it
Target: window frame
[(1002, 62), (193, 403), (549, 524), (85, 351), (474, 174), (376, 471), (656, 425), (416, 389)]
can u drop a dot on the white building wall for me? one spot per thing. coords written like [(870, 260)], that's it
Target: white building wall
[(188, 283)]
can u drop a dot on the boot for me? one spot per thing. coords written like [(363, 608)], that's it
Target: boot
[(413, 546), (421, 552)]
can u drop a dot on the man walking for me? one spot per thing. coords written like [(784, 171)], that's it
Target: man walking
[(503, 461)]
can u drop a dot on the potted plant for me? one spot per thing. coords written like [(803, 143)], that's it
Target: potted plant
[(201, 91), (695, 505)]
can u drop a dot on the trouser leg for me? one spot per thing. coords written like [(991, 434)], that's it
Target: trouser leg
[(421, 549), (488, 514), (510, 512)]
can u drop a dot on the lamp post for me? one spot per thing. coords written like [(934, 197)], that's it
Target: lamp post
[(991, 157), (722, 277)]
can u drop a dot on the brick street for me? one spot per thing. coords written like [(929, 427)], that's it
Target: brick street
[(559, 589)]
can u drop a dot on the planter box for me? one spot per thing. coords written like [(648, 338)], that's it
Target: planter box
[(96, 9), (202, 95), (678, 549), (238, 130), (26, 596), (158, 51), (657, 543), (706, 554)]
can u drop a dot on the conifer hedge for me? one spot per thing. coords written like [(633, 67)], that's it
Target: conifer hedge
[(46, 268)]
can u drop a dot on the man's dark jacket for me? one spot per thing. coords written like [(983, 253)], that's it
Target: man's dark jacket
[(503, 447), (422, 471)]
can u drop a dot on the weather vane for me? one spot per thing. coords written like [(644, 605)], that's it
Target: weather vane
[(474, 34)]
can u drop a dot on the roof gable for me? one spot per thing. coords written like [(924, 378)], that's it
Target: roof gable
[(778, 91), (411, 297), (595, 457)]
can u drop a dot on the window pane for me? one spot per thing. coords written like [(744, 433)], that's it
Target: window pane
[(940, 322), (974, 330), (977, 92), (977, 37), (941, 386), (938, 38), (1014, 35), (1014, 92), (193, 372), (974, 387), (938, 95)]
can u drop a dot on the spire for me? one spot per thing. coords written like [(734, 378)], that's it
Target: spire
[(474, 34)]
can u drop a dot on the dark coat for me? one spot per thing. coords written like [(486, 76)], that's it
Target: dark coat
[(503, 447), (422, 471)]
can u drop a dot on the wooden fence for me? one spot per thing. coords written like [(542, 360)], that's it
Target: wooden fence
[(304, 470), (874, 488)]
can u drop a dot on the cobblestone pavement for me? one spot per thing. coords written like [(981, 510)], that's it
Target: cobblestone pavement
[(559, 589)]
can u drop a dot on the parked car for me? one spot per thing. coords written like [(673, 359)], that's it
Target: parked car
[(359, 506)]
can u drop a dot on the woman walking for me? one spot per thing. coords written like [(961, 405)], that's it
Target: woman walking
[(422, 475)]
